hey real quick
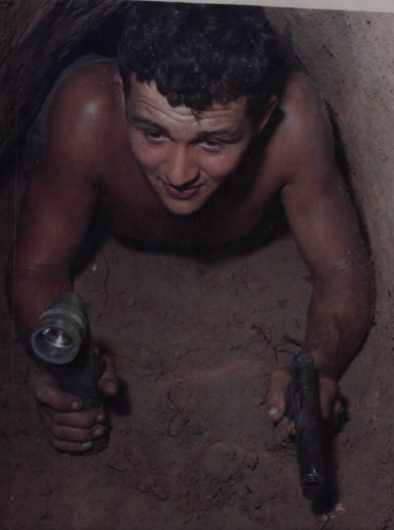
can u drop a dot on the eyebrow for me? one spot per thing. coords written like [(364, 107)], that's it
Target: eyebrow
[(141, 121), (225, 134)]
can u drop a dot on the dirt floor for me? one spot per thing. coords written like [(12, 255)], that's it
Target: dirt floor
[(195, 340)]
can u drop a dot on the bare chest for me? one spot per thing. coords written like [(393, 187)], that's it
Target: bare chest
[(134, 211)]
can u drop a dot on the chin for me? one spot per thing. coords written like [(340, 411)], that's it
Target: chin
[(182, 208)]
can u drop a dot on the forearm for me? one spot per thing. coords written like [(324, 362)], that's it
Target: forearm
[(30, 292), (339, 314)]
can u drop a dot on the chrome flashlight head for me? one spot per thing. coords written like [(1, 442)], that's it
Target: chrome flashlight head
[(61, 329)]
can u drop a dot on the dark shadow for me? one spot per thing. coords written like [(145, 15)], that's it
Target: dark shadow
[(119, 404), (346, 172), (272, 226), (340, 153)]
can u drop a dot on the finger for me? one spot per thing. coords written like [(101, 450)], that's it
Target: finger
[(286, 429), (328, 393), (83, 419), (275, 397), (48, 392), (338, 408), (291, 429), (69, 447), (108, 382), (70, 434)]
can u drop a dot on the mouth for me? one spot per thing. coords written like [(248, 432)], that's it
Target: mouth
[(181, 194)]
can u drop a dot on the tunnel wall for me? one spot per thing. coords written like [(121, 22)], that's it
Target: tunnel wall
[(349, 55)]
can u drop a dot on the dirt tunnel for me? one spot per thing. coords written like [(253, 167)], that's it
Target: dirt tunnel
[(196, 339)]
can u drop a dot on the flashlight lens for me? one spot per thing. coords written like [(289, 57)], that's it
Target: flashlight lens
[(57, 337)]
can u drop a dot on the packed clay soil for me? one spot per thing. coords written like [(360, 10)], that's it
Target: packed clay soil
[(195, 338)]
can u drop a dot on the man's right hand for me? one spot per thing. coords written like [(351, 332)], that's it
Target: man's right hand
[(70, 429)]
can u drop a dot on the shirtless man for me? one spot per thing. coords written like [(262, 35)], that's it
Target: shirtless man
[(186, 140)]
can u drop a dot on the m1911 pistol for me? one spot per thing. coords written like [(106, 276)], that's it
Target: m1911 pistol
[(302, 406), (62, 339)]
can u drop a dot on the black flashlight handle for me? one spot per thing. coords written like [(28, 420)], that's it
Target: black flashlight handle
[(79, 378)]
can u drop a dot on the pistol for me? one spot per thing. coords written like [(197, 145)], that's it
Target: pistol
[(302, 406), (62, 339)]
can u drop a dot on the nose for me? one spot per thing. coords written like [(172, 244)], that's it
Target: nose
[(181, 171)]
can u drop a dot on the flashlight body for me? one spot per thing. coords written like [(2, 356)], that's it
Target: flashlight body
[(79, 377), (302, 404)]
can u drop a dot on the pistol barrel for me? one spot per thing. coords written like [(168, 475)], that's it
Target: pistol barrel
[(305, 400)]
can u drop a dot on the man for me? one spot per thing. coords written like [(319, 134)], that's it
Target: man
[(185, 141)]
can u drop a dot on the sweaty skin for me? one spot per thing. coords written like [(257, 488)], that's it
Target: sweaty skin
[(162, 174)]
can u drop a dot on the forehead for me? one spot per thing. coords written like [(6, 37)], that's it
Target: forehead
[(146, 100)]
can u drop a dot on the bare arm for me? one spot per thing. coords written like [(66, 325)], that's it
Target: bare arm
[(324, 224), (55, 214)]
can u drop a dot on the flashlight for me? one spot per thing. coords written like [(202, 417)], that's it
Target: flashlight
[(62, 339)]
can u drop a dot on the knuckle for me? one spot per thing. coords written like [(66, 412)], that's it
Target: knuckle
[(270, 399), (41, 394), (85, 419), (93, 430), (91, 421), (108, 361), (57, 418), (57, 432), (56, 444), (43, 415), (65, 447), (278, 373)]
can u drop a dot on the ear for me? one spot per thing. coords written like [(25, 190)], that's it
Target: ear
[(269, 107), (120, 90)]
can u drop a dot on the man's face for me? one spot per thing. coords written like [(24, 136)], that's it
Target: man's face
[(186, 159)]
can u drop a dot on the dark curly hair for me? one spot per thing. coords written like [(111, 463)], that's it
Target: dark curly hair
[(201, 53)]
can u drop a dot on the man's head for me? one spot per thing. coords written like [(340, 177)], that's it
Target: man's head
[(189, 71)]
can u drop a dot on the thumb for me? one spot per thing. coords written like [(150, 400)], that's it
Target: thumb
[(48, 392), (275, 397), (108, 382)]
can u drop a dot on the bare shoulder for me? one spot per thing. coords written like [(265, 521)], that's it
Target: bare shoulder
[(303, 104), (80, 121), (305, 133)]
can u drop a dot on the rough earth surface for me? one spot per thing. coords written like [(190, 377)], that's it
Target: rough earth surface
[(195, 339)]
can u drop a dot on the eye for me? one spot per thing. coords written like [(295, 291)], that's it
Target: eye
[(212, 145), (154, 136)]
